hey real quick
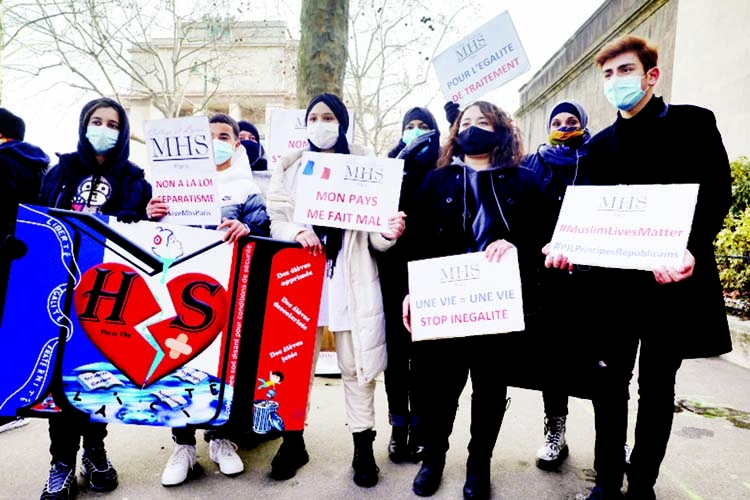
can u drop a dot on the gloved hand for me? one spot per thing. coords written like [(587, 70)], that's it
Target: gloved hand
[(415, 146), (451, 111), (13, 248), (128, 216)]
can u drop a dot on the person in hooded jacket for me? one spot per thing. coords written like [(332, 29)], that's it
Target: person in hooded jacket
[(354, 313), (419, 147), (97, 178), (242, 212), (22, 166), (477, 200), (559, 163)]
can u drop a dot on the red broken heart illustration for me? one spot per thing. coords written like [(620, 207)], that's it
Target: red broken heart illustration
[(112, 299)]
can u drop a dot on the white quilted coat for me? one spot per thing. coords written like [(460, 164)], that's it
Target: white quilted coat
[(365, 301)]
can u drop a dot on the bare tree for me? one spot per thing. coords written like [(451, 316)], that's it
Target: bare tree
[(138, 49), (322, 49), (391, 47)]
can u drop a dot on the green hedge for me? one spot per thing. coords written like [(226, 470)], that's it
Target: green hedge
[(733, 242)]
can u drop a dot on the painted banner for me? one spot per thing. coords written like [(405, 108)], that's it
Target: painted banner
[(347, 191), (180, 154), (465, 295), (627, 226), (488, 58), (288, 132), (163, 324)]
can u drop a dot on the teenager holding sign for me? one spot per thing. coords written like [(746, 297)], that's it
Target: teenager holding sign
[(668, 314), (97, 178), (352, 305), (477, 200)]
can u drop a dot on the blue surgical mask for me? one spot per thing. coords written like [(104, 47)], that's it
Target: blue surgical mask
[(624, 92), (411, 134), (102, 139), (222, 151)]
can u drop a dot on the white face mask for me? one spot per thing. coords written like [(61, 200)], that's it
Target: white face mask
[(323, 135)]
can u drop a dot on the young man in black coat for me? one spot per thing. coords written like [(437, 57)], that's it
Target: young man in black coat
[(673, 313)]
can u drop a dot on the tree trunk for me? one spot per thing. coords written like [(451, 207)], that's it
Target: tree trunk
[(322, 55)]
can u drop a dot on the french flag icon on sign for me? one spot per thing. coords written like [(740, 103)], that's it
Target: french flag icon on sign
[(325, 174)]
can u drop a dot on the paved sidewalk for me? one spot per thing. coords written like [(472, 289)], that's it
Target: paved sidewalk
[(707, 459)]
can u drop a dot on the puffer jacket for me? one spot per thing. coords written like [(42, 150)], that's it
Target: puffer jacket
[(364, 298)]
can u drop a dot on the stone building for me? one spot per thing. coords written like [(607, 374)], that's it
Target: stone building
[(704, 47), (239, 69)]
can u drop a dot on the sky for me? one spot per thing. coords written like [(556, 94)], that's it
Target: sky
[(50, 108)]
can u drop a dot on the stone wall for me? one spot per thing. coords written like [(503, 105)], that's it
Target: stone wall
[(572, 74), (711, 67)]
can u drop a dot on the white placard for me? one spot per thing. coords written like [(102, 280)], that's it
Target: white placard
[(288, 132), (485, 60), (347, 191), (465, 295), (626, 226), (180, 153)]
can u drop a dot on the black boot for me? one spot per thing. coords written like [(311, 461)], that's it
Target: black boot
[(363, 463), (398, 450), (291, 456), (477, 485), (416, 444), (427, 480)]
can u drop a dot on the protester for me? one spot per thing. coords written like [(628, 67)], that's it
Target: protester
[(22, 166), (352, 306), (477, 200), (97, 178), (680, 311), (559, 163), (243, 212), (250, 140), (419, 147)]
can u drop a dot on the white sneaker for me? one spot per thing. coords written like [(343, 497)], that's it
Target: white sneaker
[(179, 465), (224, 453)]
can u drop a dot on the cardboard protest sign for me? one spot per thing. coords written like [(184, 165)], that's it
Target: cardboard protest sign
[(627, 226), (486, 59), (180, 154), (288, 132), (143, 323), (465, 295), (347, 191)]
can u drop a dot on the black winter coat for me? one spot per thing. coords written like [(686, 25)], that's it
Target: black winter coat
[(675, 144), (441, 224)]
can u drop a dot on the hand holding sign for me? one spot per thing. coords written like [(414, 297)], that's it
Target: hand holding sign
[(310, 241), (396, 224), (666, 275)]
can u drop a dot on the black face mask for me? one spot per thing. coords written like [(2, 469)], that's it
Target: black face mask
[(476, 141)]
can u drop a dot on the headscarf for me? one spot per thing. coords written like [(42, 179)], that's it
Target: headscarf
[(338, 108), (433, 147), (334, 237), (246, 126)]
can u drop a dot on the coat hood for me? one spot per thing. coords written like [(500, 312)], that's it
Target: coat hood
[(117, 157)]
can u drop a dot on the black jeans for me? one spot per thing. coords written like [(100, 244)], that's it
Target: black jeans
[(555, 403), (65, 433), (657, 369), (440, 369), (397, 374)]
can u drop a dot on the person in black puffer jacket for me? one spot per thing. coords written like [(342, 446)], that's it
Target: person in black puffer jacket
[(97, 178), (419, 147)]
